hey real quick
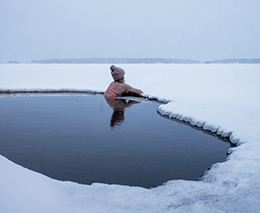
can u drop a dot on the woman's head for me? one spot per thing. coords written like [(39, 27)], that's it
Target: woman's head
[(117, 73)]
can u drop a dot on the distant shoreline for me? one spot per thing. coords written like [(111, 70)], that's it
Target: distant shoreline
[(139, 61), (118, 61)]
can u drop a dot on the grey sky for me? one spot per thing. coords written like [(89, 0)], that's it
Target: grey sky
[(194, 29)]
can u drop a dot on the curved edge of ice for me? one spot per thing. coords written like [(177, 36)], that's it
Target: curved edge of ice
[(62, 90), (155, 98), (199, 124)]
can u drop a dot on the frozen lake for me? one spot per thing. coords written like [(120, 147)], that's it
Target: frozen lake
[(81, 138), (221, 98)]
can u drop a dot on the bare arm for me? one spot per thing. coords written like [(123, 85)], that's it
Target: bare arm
[(128, 88)]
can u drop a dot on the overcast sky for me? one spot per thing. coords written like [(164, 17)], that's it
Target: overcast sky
[(185, 29)]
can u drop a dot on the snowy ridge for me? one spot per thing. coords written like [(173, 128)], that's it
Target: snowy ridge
[(155, 98), (201, 124)]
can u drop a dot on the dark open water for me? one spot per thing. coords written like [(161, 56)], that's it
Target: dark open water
[(81, 138)]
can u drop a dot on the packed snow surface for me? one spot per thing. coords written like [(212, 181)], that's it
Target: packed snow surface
[(220, 98)]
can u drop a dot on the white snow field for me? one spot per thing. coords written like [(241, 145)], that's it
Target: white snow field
[(220, 98)]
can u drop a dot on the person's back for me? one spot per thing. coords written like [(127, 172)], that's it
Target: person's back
[(118, 86)]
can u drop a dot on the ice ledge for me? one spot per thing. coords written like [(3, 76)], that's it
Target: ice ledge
[(48, 91), (219, 131)]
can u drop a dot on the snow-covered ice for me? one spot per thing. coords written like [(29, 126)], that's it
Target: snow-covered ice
[(221, 98)]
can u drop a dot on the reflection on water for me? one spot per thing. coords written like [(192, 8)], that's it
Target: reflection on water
[(119, 106), (69, 138)]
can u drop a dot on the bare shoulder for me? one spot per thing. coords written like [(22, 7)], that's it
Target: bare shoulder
[(126, 86)]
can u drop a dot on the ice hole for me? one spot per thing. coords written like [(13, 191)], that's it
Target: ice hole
[(87, 139)]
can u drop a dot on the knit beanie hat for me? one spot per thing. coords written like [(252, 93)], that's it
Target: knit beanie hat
[(117, 72)]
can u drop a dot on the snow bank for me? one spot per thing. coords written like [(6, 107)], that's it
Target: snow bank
[(220, 98)]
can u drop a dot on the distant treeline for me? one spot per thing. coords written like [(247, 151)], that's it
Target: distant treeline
[(140, 61), (235, 60), (13, 62), (117, 60)]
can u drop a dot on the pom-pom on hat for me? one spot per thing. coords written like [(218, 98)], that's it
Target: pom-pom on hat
[(117, 72)]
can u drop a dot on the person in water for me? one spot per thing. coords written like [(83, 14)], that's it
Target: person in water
[(118, 87)]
